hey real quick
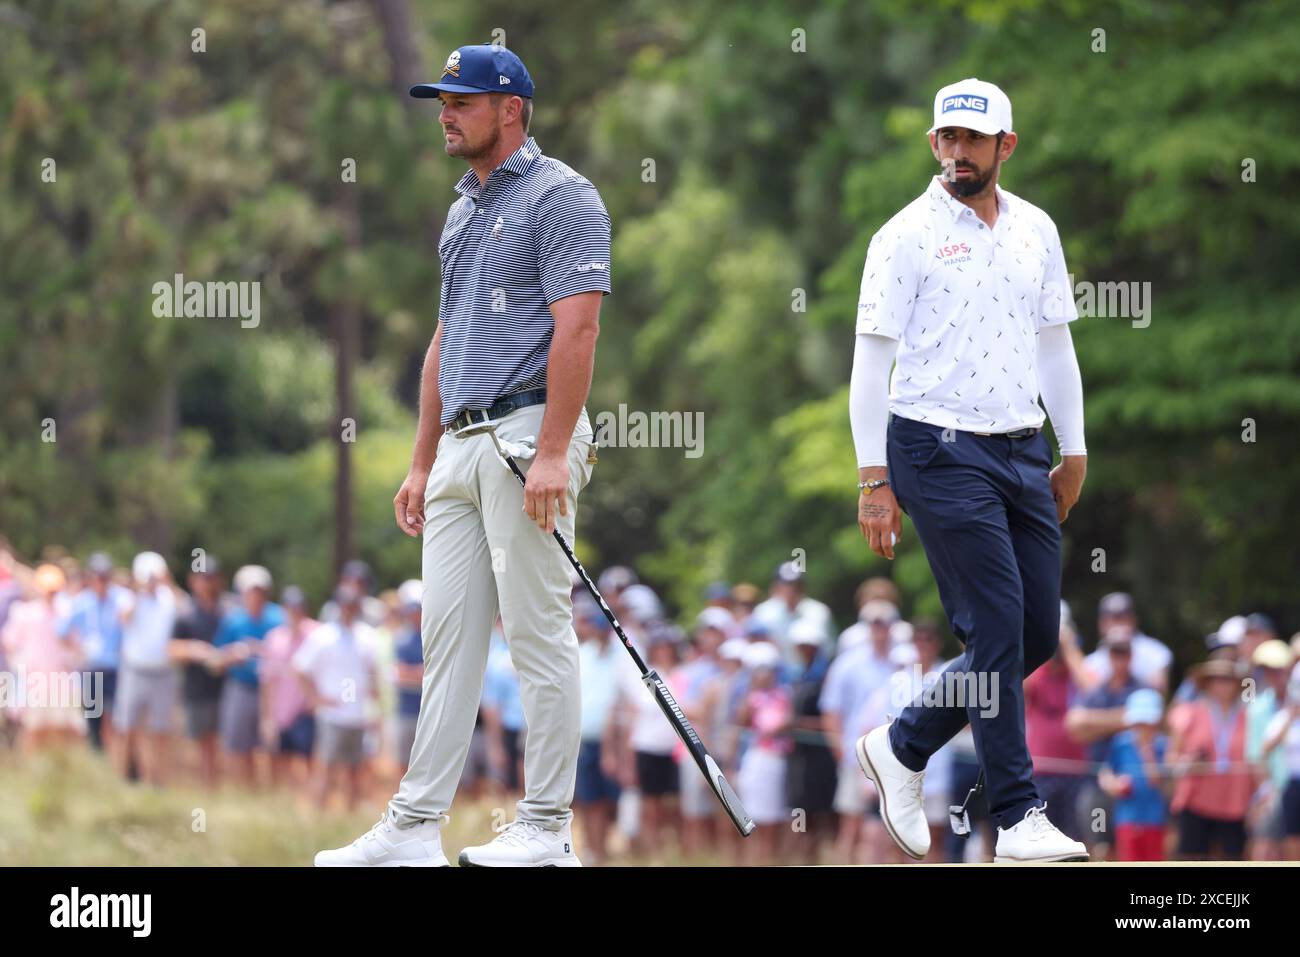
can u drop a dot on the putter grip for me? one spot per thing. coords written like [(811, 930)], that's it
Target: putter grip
[(729, 799)]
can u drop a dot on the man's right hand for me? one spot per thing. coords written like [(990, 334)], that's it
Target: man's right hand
[(408, 504), (879, 516)]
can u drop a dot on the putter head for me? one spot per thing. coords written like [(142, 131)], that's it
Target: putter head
[(959, 819)]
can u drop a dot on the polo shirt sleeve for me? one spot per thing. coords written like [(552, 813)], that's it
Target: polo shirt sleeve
[(1056, 301), (831, 699), (890, 280), (573, 240), (225, 631)]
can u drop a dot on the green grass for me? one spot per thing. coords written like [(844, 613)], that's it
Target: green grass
[(64, 808), (68, 807)]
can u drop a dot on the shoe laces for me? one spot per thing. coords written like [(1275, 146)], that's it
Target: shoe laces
[(1039, 823), (914, 785), (383, 826), (519, 833)]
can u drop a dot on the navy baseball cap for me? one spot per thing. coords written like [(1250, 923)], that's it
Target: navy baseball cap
[(481, 68)]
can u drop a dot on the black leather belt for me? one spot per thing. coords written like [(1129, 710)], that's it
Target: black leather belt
[(502, 407), (1017, 434)]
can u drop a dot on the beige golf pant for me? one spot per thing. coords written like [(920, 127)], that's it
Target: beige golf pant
[(482, 553)]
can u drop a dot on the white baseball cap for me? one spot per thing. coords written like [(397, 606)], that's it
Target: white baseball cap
[(879, 610), (974, 105), (761, 655), (733, 649), (804, 632), (250, 577), (411, 593), (148, 565), (717, 618)]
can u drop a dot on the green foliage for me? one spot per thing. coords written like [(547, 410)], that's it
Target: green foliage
[(772, 169)]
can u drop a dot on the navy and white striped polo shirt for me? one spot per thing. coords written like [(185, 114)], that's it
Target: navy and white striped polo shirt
[(534, 233)]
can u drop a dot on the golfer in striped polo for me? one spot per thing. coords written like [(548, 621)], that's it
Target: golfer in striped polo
[(525, 263)]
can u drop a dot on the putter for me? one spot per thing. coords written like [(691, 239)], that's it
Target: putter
[(667, 704), (958, 815)]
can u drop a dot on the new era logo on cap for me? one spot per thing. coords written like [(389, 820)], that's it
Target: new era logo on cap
[(481, 68), (973, 105)]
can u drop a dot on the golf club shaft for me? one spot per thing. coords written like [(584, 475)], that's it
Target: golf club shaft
[(667, 704)]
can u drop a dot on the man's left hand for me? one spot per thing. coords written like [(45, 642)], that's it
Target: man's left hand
[(546, 488), (1067, 483)]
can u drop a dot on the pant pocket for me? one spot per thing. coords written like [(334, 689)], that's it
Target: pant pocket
[(582, 461)]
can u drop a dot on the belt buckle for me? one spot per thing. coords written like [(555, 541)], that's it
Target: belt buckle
[(465, 420)]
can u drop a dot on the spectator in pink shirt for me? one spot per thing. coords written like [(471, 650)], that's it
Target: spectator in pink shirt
[(1208, 754), (767, 713), (288, 726), (44, 663)]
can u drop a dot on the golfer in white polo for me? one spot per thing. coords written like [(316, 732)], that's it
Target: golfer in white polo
[(965, 293)]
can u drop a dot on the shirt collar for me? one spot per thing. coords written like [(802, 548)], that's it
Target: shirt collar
[(945, 200), (516, 163)]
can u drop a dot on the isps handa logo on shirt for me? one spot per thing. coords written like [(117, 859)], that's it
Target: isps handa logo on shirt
[(953, 253)]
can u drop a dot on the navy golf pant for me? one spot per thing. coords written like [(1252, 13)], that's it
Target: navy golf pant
[(983, 509)]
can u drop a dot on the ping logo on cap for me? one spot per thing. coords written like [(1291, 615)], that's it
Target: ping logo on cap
[(453, 65), (965, 101)]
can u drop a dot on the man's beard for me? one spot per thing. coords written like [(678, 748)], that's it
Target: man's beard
[(974, 184), (470, 153)]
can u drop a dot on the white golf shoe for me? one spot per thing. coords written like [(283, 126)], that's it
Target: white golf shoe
[(387, 845), (524, 844), (902, 806), (1036, 838)]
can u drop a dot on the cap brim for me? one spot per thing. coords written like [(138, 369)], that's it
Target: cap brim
[(969, 121), (430, 91)]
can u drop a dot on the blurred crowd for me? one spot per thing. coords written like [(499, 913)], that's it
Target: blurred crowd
[(236, 680)]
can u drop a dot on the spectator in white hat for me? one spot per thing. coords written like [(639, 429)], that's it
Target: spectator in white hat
[(146, 693), (761, 778), (409, 651), (877, 611), (695, 684), (855, 675), (1283, 736), (239, 639), (337, 667), (810, 769)]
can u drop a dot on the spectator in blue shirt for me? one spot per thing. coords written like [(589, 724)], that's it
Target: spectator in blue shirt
[(408, 648), (239, 636), (503, 715), (1134, 775), (95, 623)]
